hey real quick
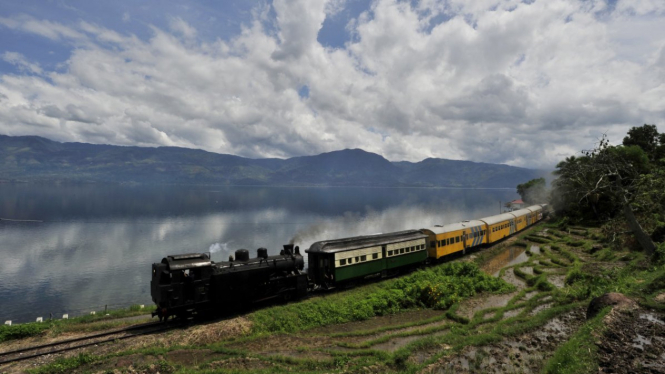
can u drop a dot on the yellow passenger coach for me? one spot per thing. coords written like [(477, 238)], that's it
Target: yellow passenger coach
[(447, 239)]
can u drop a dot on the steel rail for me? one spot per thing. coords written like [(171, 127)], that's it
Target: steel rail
[(162, 326)]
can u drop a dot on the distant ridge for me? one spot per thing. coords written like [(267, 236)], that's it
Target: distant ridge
[(40, 160)]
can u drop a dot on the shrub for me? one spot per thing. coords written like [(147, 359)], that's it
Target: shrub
[(66, 365), (437, 287), (22, 330), (659, 255)]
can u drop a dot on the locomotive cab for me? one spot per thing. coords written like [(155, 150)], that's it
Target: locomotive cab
[(180, 283)]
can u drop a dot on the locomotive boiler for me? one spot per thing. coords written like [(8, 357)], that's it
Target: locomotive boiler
[(183, 285)]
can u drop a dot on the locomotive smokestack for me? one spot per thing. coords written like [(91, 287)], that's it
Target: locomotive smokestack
[(288, 249)]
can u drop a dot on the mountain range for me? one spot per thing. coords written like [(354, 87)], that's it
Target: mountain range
[(37, 159)]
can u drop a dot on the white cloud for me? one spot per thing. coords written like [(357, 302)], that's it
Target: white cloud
[(179, 26), (21, 62), (493, 81), (47, 29)]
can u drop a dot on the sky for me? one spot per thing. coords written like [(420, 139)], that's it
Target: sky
[(524, 83)]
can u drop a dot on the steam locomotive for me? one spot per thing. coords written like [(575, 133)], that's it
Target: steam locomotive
[(186, 284), (183, 285)]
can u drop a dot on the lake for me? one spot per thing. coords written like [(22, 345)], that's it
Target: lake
[(95, 244)]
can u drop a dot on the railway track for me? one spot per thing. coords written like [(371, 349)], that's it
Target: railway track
[(81, 342)]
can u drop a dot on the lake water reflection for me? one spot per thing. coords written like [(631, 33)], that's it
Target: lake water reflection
[(96, 243)]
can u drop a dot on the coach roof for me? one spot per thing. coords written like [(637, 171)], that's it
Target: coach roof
[(454, 226), (498, 218), (345, 244)]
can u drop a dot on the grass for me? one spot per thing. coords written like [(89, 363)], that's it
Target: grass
[(87, 323), (65, 365), (437, 287)]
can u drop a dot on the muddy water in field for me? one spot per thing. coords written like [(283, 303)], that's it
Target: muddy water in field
[(521, 354), (557, 280), (507, 257), (468, 308)]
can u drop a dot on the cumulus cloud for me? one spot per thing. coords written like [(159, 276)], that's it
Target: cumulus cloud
[(494, 81)]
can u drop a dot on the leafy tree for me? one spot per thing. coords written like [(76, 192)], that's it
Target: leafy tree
[(604, 182), (645, 137), (533, 191)]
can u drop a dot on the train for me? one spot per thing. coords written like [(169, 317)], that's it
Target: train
[(185, 285)]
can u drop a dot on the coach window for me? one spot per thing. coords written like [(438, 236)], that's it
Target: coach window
[(375, 256), (457, 239), (357, 259), (363, 258), (401, 250), (342, 262)]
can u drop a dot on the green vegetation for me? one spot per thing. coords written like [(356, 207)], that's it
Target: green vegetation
[(88, 323), (65, 365), (22, 331), (620, 187), (437, 287)]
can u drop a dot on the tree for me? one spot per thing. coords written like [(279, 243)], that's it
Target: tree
[(604, 181), (533, 191), (645, 137)]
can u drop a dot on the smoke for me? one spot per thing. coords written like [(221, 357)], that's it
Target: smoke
[(220, 247), (536, 196)]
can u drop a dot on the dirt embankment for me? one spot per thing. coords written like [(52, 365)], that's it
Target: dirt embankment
[(634, 342)]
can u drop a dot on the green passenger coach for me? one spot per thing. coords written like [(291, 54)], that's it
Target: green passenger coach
[(341, 260)]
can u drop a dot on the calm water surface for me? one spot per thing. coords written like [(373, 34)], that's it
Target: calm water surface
[(95, 244)]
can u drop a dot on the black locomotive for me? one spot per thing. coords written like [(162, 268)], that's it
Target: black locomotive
[(185, 284)]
